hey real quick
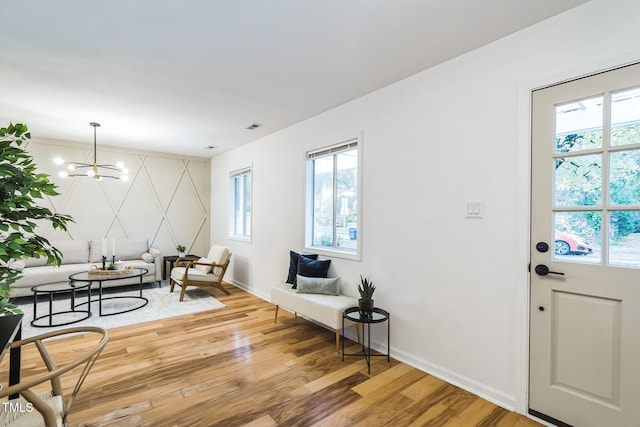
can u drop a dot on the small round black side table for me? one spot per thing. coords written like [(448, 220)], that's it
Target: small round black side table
[(52, 289), (377, 315)]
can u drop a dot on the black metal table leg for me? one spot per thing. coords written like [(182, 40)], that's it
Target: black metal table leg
[(14, 363)]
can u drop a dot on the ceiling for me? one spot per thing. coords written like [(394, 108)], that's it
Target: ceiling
[(179, 76)]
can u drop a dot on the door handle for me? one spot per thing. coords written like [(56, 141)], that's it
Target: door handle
[(543, 270)]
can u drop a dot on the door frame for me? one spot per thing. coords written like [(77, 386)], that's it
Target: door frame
[(523, 211)]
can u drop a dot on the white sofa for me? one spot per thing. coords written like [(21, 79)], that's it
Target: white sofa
[(321, 308), (80, 255)]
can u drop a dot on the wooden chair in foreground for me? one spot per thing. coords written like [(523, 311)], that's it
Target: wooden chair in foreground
[(202, 272), (48, 409)]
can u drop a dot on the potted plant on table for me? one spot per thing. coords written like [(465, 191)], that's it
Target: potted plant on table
[(20, 188), (366, 289), (181, 250)]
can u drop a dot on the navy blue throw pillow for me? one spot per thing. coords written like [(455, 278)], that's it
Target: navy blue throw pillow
[(294, 258), (313, 268)]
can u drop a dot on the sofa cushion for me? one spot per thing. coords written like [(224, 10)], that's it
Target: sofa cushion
[(33, 276), (73, 251), (125, 249), (35, 262), (177, 274), (294, 259), (17, 265), (318, 285)]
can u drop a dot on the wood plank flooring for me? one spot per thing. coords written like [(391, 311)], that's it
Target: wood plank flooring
[(235, 367)]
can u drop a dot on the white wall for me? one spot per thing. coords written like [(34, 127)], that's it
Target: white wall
[(166, 199), (456, 288)]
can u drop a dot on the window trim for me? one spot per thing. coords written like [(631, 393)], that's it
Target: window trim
[(344, 145), (232, 204)]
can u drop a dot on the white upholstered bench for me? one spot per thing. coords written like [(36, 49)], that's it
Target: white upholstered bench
[(325, 309)]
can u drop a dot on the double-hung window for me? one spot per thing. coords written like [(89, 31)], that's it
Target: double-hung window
[(240, 204), (332, 214)]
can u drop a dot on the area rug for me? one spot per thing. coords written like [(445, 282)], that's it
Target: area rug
[(162, 304)]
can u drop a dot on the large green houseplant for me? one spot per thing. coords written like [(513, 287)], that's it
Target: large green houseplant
[(20, 189)]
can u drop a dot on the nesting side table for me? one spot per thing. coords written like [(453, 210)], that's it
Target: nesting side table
[(74, 314), (377, 315)]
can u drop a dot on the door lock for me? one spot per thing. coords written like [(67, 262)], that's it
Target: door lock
[(543, 270), (542, 247)]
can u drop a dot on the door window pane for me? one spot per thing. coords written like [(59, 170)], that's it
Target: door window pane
[(578, 181), (624, 238), (579, 125), (577, 236), (625, 117), (625, 178)]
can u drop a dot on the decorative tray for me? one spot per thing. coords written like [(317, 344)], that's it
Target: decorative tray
[(104, 272)]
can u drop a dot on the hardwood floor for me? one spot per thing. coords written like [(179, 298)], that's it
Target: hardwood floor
[(235, 367)]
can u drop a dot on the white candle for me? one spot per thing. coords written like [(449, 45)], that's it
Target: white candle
[(104, 247), (114, 246)]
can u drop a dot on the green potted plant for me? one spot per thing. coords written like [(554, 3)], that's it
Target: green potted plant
[(366, 289), (180, 250), (20, 188)]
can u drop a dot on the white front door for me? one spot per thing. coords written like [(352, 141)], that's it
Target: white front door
[(585, 254)]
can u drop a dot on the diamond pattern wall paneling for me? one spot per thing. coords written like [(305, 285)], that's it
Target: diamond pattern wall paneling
[(166, 200)]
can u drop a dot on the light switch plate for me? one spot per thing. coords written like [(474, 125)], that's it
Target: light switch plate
[(475, 209)]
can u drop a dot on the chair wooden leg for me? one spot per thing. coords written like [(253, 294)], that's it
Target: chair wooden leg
[(173, 283), (219, 286), (184, 288), (276, 318), (338, 341)]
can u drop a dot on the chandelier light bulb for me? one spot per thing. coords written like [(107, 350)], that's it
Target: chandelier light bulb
[(58, 160), (120, 165), (63, 174), (125, 177), (71, 167), (90, 172)]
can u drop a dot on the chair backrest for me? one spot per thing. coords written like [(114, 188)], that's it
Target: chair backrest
[(54, 371), (219, 255)]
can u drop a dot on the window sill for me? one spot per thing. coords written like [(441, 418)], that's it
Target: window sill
[(240, 239), (334, 253)]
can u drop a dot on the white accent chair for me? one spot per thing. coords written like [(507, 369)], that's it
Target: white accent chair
[(201, 272)]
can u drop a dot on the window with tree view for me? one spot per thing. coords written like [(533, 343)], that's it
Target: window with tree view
[(332, 198), (597, 179)]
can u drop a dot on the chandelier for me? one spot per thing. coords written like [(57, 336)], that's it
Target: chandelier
[(93, 170)]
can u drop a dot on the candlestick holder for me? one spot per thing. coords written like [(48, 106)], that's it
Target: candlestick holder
[(104, 262), (113, 260)]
